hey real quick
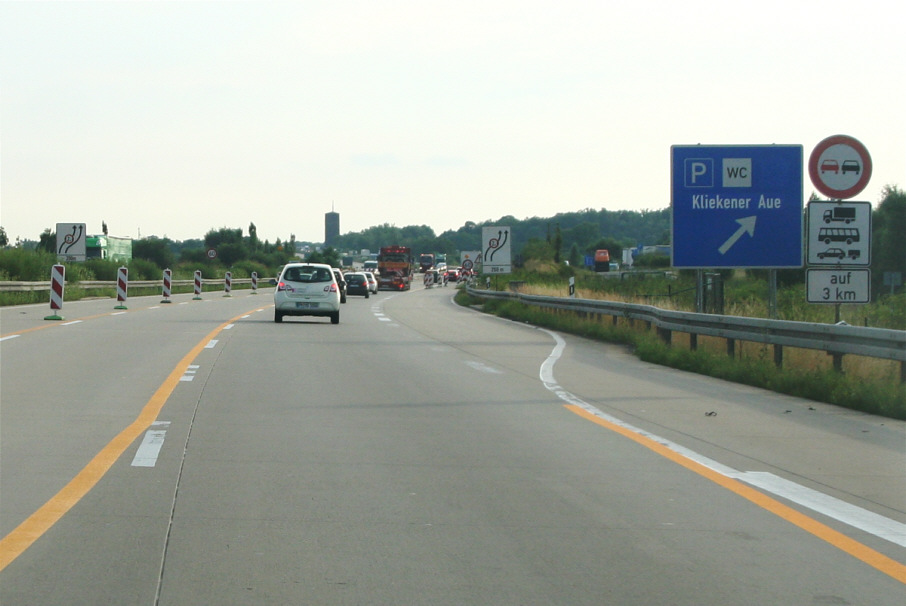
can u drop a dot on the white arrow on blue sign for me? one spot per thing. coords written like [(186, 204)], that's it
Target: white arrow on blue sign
[(737, 206)]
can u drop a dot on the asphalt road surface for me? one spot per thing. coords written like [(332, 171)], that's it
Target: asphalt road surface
[(195, 452)]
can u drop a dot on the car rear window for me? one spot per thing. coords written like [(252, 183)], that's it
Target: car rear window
[(307, 274)]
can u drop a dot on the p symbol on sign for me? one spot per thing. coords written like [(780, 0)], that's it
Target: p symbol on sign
[(699, 172)]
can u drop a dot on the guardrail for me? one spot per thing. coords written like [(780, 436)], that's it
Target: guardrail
[(835, 339), (12, 286)]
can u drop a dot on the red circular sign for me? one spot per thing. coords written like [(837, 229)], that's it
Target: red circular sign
[(840, 167), (212, 253)]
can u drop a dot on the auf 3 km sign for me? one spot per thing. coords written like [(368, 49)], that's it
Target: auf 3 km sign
[(737, 206)]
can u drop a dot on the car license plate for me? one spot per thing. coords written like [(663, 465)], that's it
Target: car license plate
[(306, 305)]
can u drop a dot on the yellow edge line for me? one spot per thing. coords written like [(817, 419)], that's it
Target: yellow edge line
[(30, 530), (839, 540)]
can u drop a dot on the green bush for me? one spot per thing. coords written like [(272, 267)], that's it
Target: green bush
[(23, 265)]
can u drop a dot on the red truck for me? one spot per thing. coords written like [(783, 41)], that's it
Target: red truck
[(395, 268)]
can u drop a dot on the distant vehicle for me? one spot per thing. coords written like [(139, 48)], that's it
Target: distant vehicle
[(841, 213), (851, 166), (307, 289), (425, 262), (357, 284), (341, 283), (838, 253), (453, 274), (371, 265), (372, 282), (830, 166), (602, 261), (614, 266), (395, 268)]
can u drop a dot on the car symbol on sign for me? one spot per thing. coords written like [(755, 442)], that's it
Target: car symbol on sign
[(832, 252), (851, 166), (830, 165)]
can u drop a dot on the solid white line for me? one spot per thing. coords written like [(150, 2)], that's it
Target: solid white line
[(872, 523), (848, 513), (9, 337), (71, 323), (149, 449)]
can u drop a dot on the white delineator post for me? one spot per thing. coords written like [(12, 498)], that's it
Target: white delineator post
[(168, 285), (254, 282), (122, 287), (228, 284), (57, 280)]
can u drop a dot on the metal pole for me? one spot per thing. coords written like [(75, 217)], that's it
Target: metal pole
[(772, 294)]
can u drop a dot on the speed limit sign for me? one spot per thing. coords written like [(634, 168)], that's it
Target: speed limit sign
[(212, 254)]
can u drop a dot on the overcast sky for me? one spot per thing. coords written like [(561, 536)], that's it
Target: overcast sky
[(173, 118)]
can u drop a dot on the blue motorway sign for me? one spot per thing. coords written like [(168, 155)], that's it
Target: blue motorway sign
[(737, 206)]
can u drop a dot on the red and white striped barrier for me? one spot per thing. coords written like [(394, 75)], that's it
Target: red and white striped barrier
[(122, 287), (228, 284), (57, 280), (197, 296), (168, 285), (254, 282)]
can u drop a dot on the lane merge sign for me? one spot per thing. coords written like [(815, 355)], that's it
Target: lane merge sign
[(495, 250), (736, 206)]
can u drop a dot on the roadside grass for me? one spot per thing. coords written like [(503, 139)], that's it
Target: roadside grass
[(867, 384)]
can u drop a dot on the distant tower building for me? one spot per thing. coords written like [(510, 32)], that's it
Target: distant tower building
[(331, 227)]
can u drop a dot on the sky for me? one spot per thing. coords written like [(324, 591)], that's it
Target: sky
[(175, 118)]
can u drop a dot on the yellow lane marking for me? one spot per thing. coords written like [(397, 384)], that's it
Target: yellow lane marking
[(29, 531), (876, 560)]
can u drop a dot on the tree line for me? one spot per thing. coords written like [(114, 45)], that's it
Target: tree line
[(568, 236)]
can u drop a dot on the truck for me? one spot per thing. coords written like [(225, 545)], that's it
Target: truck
[(840, 213), (425, 262), (395, 268), (602, 261), (112, 248)]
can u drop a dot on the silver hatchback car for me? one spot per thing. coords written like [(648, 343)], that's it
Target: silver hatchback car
[(307, 289)]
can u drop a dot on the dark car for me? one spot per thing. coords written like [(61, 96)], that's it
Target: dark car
[(341, 284), (357, 284)]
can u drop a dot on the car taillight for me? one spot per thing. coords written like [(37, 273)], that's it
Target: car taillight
[(283, 286), (330, 288)]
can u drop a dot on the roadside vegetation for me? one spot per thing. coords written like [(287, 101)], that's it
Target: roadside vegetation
[(867, 384)]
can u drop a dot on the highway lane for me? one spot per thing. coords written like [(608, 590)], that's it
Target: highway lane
[(413, 454)]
